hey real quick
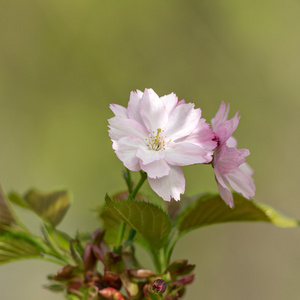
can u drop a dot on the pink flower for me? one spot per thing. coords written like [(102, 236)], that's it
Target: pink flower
[(159, 135), (229, 162)]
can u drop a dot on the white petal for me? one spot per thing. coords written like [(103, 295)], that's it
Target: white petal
[(153, 111), (120, 127), (184, 154), (182, 121), (119, 111), (134, 106), (156, 169), (226, 195), (147, 156), (170, 186), (126, 148), (169, 101)]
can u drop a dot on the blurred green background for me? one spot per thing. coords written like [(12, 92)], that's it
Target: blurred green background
[(63, 62)]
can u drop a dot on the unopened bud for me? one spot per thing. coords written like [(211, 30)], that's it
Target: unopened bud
[(141, 273), (179, 267), (65, 273), (111, 294), (89, 260), (185, 280), (159, 285)]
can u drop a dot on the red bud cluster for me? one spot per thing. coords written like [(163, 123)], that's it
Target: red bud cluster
[(85, 281)]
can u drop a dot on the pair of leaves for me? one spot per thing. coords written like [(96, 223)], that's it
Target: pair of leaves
[(51, 207), (19, 245), (153, 225), (15, 240)]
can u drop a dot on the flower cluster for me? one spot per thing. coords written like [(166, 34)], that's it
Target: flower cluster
[(159, 135)]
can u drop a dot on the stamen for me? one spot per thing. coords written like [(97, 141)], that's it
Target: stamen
[(157, 142)]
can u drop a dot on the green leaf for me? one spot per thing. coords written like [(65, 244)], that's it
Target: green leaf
[(7, 219), (56, 240), (51, 207), (54, 287), (19, 245), (150, 222), (111, 223), (17, 199), (76, 251), (211, 209)]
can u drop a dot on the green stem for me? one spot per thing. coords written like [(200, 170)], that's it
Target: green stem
[(169, 250), (138, 186), (127, 177), (121, 233), (131, 236), (156, 262), (132, 194)]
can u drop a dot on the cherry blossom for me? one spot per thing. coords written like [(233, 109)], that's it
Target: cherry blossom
[(229, 162), (159, 135)]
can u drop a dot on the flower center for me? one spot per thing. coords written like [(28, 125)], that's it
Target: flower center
[(156, 142)]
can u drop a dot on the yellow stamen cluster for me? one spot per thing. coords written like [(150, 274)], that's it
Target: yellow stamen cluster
[(156, 142)]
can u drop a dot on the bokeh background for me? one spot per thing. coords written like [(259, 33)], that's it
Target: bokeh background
[(63, 62)]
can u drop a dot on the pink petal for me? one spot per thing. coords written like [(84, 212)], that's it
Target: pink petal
[(182, 121), (170, 186), (231, 160), (241, 183), (169, 101), (206, 136), (227, 128), (184, 154), (153, 111), (126, 149), (147, 155), (156, 169), (226, 195), (119, 110), (220, 117), (231, 142), (223, 127), (245, 168), (221, 179), (202, 135), (134, 106), (120, 127), (219, 152)]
